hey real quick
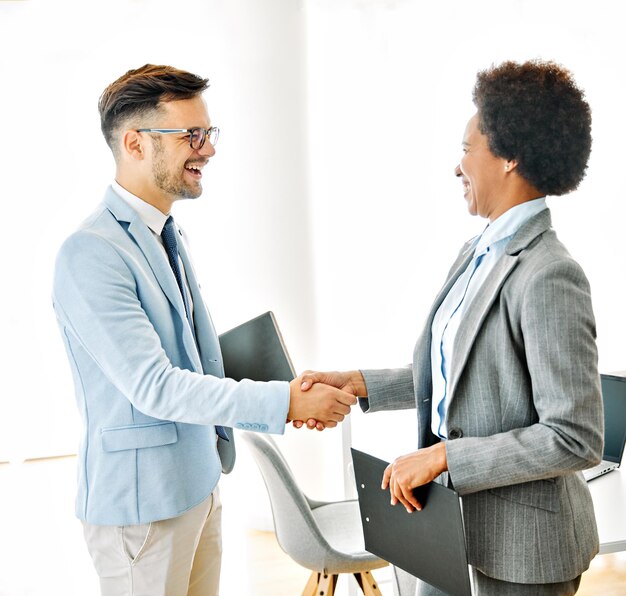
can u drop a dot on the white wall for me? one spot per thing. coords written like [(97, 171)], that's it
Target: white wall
[(331, 199)]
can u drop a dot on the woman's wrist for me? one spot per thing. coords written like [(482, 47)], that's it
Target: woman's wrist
[(358, 383)]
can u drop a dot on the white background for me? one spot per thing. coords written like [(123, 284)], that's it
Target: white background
[(331, 199)]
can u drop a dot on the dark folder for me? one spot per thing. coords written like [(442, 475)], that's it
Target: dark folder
[(429, 544), (256, 350)]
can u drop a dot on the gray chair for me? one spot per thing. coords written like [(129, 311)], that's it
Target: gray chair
[(326, 538)]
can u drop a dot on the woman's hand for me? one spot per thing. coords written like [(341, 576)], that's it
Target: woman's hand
[(410, 471)]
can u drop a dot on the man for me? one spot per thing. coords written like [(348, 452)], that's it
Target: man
[(145, 356)]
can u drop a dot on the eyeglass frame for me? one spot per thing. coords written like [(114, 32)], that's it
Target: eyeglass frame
[(171, 131)]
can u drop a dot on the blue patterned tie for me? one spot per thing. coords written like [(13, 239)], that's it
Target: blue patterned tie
[(171, 248)]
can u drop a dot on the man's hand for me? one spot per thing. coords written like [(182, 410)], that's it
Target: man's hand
[(413, 470), (323, 403), (351, 381)]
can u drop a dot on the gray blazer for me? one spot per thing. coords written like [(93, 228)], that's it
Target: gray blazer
[(525, 412)]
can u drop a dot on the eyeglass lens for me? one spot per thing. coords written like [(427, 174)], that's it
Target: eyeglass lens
[(198, 136)]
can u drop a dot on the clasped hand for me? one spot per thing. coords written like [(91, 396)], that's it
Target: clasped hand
[(348, 382), (325, 404)]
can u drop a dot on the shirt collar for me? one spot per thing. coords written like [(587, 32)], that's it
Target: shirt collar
[(149, 214), (508, 223)]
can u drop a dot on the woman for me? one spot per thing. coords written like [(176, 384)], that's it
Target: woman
[(504, 375)]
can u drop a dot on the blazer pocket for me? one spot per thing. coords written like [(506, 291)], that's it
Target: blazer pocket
[(542, 494), (140, 436)]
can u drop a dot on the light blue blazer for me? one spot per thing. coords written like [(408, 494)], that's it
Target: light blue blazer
[(148, 393)]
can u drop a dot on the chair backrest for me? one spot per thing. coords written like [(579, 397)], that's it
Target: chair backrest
[(296, 530)]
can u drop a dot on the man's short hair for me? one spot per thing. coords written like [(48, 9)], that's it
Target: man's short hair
[(139, 92)]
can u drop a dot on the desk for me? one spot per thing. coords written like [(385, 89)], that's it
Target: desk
[(609, 500)]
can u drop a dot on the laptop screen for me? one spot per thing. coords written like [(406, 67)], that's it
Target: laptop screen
[(614, 398)]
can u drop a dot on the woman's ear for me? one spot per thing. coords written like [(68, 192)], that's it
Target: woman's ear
[(510, 165)]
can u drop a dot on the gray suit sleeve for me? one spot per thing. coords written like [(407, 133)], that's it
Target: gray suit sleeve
[(388, 389)]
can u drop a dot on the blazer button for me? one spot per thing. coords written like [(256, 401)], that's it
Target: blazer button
[(455, 433)]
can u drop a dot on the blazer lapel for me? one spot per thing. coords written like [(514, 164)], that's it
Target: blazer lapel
[(157, 261), (475, 315), (478, 309), (459, 266)]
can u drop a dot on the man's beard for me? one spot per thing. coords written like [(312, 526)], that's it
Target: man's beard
[(166, 181)]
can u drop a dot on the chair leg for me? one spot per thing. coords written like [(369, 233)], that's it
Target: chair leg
[(311, 586), (320, 584), (367, 583), (327, 584)]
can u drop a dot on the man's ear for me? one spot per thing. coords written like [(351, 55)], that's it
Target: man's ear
[(133, 144)]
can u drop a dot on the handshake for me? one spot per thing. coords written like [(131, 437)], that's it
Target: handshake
[(321, 400)]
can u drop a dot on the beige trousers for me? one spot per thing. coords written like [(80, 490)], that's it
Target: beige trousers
[(173, 557)]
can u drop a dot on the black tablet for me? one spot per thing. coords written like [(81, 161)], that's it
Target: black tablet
[(255, 350)]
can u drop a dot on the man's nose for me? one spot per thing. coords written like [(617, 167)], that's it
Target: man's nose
[(207, 149), (457, 171)]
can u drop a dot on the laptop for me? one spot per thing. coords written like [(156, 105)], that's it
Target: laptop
[(614, 399), (429, 544), (255, 350)]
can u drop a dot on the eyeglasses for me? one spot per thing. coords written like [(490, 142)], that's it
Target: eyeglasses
[(197, 136)]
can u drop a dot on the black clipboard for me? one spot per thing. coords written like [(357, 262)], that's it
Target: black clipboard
[(255, 350), (429, 544)]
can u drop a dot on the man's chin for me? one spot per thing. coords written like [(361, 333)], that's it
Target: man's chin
[(192, 193)]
